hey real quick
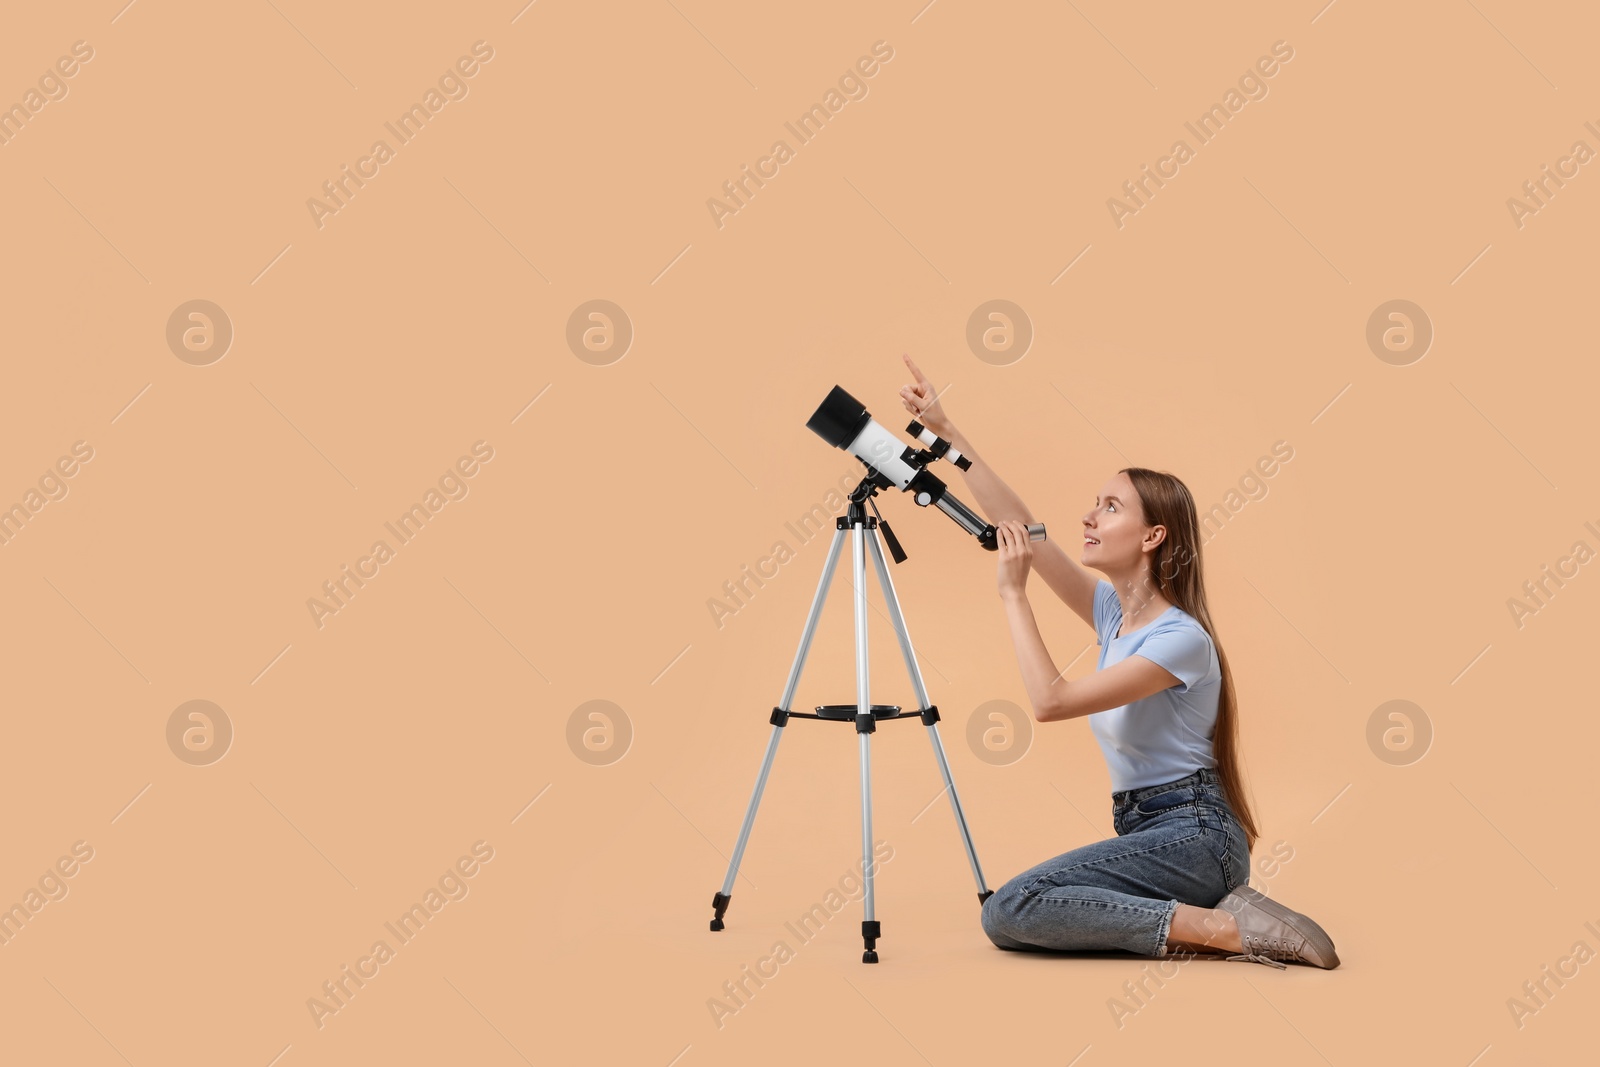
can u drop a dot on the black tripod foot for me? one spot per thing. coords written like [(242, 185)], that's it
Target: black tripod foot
[(720, 903), (871, 930)]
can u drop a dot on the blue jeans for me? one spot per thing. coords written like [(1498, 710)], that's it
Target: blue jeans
[(1176, 843)]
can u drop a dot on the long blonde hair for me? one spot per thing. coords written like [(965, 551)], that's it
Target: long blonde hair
[(1175, 569)]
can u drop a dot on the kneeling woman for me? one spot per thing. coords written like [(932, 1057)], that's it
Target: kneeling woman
[(1162, 707)]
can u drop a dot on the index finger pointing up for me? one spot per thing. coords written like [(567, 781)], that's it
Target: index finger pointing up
[(921, 378)]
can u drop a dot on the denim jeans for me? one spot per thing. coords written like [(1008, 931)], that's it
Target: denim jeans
[(1176, 843)]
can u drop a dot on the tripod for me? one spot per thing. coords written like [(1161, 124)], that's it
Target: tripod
[(865, 715)]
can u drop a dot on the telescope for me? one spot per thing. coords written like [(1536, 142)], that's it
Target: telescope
[(844, 422)]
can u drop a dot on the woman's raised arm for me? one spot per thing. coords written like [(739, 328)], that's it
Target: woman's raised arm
[(999, 502)]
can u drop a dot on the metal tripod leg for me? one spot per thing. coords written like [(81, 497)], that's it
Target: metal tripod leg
[(899, 621), (720, 901), (870, 928)]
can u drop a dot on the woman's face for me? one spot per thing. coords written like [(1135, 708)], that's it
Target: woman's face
[(1114, 529)]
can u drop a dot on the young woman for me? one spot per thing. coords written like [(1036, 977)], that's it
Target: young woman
[(1162, 707)]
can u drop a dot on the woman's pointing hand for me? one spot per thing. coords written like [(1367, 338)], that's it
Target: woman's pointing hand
[(922, 400)]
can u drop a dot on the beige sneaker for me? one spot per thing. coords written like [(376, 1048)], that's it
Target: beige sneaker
[(1271, 932)]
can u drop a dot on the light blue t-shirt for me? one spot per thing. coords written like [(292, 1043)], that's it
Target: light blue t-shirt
[(1166, 735)]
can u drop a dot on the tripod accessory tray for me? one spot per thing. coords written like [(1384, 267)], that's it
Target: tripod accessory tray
[(847, 713)]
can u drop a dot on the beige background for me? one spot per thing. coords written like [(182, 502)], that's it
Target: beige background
[(431, 711)]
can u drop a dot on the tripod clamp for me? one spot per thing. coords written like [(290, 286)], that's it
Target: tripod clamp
[(865, 492)]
